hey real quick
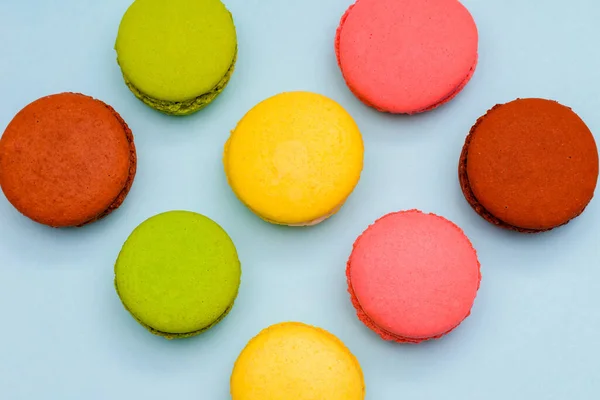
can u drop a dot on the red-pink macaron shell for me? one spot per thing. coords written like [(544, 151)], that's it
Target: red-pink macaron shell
[(407, 56), (413, 276)]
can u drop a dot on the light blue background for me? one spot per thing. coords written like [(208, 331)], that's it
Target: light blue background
[(533, 333)]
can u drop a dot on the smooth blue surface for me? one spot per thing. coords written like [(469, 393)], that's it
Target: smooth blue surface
[(533, 333)]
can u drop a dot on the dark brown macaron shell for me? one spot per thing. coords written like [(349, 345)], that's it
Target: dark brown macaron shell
[(529, 165), (67, 160)]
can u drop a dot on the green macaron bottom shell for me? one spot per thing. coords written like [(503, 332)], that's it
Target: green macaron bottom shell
[(178, 274), (185, 107)]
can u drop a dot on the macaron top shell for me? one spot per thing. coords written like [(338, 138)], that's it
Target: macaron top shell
[(178, 272), (294, 158), (406, 56), (176, 50), (532, 163), (65, 159), (296, 361), (414, 275)]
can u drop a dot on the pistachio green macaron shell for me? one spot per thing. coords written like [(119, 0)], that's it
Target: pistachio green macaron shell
[(178, 274), (176, 55)]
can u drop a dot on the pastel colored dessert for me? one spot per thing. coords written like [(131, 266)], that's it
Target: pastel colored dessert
[(293, 360), (67, 160), (529, 165), (294, 158), (176, 56), (406, 56), (412, 276), (178, 274)]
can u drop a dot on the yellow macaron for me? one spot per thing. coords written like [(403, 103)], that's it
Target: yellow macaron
[(295, 361), (294, 158)]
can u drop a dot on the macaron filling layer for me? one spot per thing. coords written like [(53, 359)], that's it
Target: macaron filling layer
[(318, 220), (184, 107)]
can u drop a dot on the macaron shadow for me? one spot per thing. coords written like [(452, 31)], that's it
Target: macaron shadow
[(409, 362), (522, 247), (133, 344)]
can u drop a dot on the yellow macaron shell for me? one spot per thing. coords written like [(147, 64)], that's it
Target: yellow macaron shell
[(296, 361), (176, 50), (294, 158)]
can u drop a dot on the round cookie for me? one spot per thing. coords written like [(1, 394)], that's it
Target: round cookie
[(529, 165), (67, 160), (406, 56), (178, 274), (292, 360), (412, 276), (294, 158), (177, 55)]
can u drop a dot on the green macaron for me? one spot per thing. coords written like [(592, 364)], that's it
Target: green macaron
[(176, 55), (178, 274)]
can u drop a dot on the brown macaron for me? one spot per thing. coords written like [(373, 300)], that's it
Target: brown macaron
[(529, 165), (67, 160)]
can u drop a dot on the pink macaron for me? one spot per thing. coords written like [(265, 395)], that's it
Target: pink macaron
[(413, 276), (406, 56)]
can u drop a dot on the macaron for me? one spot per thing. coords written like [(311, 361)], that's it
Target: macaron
[(412, 276), (178, 274), (294, 158), (406, 56), (176, 56), (529, 165), (67, 160), (292, 360)]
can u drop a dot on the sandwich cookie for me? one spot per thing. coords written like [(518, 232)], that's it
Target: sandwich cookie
[(178, 55), (406, 56), (296, 361), (294, 158), (67, 160), (412, 276), (529, 165), (178, 274)]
